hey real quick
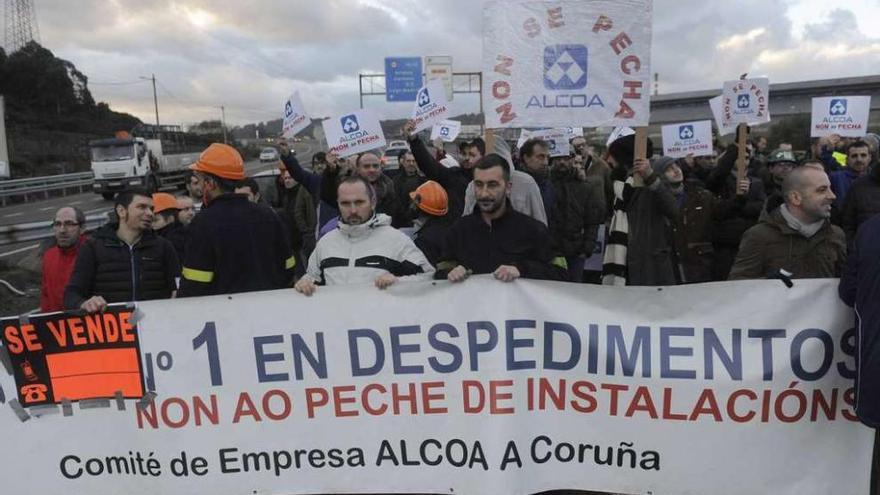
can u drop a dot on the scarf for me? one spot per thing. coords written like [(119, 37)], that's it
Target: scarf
[(614, 261), (805, 229)]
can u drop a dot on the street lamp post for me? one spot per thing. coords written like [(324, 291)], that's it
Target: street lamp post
[(155, 98)]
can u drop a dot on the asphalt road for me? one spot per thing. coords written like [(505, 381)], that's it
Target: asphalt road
[(91, 204)]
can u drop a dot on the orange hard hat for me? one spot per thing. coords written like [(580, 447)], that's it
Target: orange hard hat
[(431, 198), (164, 201), (221, 160)]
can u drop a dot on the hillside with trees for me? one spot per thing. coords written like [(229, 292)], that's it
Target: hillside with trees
[(51, 114)]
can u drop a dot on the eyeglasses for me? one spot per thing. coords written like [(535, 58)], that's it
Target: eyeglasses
[(65, 225)]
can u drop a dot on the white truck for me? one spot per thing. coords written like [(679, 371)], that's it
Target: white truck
[(128, 162)]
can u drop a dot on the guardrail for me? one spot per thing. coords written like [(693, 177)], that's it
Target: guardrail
[(35, 231), (42, 185)]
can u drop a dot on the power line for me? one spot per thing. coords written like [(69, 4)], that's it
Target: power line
[(109, 83)]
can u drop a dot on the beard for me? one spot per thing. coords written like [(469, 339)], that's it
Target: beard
[(490, 205)]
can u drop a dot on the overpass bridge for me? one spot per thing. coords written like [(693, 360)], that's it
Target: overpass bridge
[(786, 100)]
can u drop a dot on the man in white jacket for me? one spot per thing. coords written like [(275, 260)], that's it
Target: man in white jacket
[(364, 247)]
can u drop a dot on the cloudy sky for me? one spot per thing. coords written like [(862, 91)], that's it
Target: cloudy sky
[(250, 55)]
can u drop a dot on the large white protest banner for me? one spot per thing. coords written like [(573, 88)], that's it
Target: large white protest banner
[(295, 118), (354, 133), (479, 387), (446, 130), (842, 115), (688, 138), (563, 63), (430, 106), (745, 101)]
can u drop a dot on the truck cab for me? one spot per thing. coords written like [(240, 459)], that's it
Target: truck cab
[(128, 162), (119, 164)]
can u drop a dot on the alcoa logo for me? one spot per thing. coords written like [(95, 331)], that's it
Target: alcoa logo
[(288, 110), (743, 101), (837, 106), (424, 97), (686, 132), (565, 67), (350, 124), (444, 131)]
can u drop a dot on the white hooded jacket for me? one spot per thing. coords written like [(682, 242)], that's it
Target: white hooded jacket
[(358, 254)]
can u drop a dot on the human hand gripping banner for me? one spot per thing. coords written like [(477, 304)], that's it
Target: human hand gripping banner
[(567, 63), (479, 387)]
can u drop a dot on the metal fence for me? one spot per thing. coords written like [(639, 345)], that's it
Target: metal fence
[(40, 186), (36, 231)]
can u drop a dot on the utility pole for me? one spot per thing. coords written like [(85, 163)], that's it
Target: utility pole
[(223, 122), (155, 98)]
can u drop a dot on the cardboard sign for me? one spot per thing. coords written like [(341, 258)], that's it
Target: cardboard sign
[(295, 118), (446, 130), (689, 138), (567, 63), (430, 106), (746, 101), (845, 116), (62, 356), (557, 140), (353, 133)]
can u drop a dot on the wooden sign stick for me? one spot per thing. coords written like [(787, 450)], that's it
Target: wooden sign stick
[(641, 150), (742, 131)]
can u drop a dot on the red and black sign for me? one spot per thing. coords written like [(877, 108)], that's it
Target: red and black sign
[(73, 356)]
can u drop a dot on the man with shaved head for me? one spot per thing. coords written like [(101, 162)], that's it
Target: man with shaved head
[(796, 237)]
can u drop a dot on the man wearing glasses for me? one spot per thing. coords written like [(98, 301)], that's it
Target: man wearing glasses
[(58, 260)]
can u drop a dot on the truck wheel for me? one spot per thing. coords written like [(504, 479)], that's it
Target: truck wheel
[(108, 196)]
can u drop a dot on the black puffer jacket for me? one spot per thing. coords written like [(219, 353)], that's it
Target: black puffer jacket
[(735, 214), (109, 268), (579, 209)]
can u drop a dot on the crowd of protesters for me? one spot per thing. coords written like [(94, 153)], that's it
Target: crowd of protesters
[(587, 217), (604, 218)]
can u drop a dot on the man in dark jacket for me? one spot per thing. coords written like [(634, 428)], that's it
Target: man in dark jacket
[(796, 237), (495, 238), (433, 221), (692, 228), (739, 207), (649, 211), (234, 245), (123, 262), (862, 202), (165, 222), (577, 214), (860, 288)]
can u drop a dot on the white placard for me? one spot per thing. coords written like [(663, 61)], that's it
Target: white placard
[(353, 133), (845, 116), (723, 128), (295, 118), (562, 63), (688, 138), (746, 101), (557, 139), (430, 106), (726, 388), (446, 130)]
